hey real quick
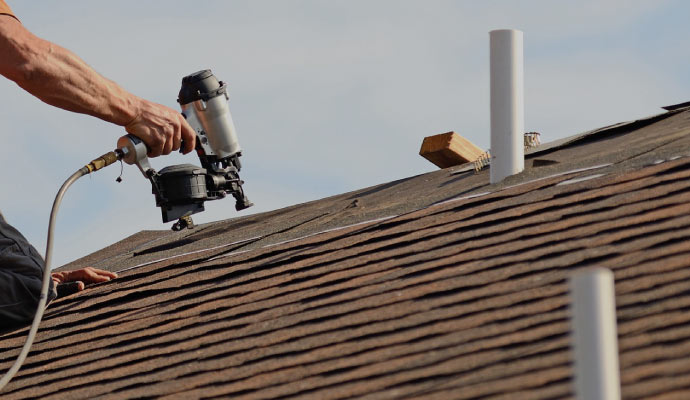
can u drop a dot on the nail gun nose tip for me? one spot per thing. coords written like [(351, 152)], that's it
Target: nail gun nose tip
[(239, 206)]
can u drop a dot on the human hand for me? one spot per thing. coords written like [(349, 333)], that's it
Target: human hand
[(162, 129), (82, 276)]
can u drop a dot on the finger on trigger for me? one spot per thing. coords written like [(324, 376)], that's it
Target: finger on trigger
[(188, 137), (168, 145), (177, 141)]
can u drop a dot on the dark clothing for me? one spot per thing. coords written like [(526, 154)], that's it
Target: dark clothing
[(21, 274)]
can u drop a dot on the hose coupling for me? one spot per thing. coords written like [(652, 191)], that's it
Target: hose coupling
[(102, 161)]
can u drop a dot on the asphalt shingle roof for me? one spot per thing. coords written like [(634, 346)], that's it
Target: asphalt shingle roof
[(436, 286)]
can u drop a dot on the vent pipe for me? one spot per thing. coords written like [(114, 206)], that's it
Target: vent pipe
[(507, 104), (595, 339)]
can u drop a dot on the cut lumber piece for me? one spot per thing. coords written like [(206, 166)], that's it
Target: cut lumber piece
[(448, 150)]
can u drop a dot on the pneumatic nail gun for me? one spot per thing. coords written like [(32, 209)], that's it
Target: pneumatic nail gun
[(181, 190)]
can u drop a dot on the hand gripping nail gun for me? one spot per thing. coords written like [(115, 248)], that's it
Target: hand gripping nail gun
[(181, 190)]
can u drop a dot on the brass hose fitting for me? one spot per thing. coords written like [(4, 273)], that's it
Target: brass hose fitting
[(102, 161)]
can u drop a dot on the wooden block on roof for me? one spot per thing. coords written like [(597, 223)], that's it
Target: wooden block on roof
[(448, 150)]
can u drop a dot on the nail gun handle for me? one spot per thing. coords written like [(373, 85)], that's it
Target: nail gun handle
[(134, 152)]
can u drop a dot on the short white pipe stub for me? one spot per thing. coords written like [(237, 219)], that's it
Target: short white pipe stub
[(507, 103), (594, 333)]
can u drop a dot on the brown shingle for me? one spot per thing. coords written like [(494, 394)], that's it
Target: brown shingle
[(447, 299)]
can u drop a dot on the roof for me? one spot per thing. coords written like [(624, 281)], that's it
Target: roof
[(435, 286)]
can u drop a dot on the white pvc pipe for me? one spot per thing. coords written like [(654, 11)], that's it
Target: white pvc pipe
[(507, 104), (595, 337)]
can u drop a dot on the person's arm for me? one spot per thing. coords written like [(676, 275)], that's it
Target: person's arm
[(60, 78)]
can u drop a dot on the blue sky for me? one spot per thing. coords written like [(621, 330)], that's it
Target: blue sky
[(327, 96)]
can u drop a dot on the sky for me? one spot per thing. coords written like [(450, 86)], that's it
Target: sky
[(327, 96)]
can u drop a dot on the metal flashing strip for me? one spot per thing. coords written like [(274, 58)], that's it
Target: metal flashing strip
[(580, 179), (467, 197), (234, 253), (328, 230), (663, 160), (466, 168), (362, 223), (305, 236), (249, 240), (572, 171), (188, 253)]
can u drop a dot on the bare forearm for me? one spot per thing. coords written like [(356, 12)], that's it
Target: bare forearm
[(60, 78)]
